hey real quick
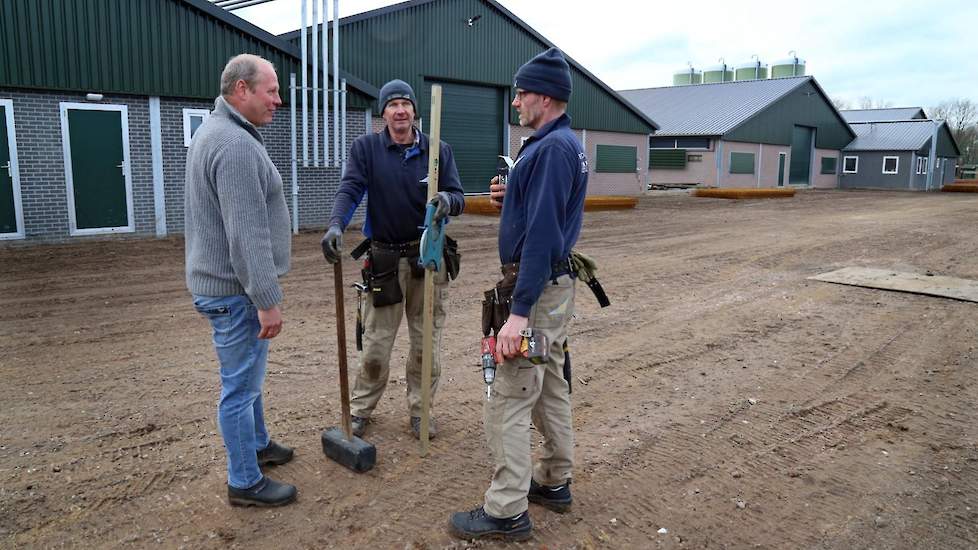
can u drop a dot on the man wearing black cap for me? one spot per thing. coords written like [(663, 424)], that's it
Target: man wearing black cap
[(542, 211), (391, 167)]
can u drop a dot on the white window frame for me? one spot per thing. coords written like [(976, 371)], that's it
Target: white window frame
[(14, 170), (69, 174), (896, 169), (921, 165), (855, 169), (187, 113)]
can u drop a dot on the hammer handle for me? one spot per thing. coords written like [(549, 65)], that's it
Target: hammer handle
[(341, 351)]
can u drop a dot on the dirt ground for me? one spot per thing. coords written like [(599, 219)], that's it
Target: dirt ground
[(723, 401)]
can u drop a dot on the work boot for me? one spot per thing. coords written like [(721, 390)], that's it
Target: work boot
[(416, 427), (274, 455), (553, 497), (359, 425), (477, 524), (266, 493)]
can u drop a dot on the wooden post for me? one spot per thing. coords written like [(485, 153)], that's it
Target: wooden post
[(434, 148)]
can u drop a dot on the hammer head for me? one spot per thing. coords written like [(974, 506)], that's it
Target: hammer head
[(355, 453)]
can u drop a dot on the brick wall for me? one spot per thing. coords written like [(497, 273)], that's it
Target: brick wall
[(44, 192)]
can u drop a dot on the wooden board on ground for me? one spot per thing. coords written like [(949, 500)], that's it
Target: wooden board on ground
[(480, 204), (961, 186), (745, 193), (916, 283)]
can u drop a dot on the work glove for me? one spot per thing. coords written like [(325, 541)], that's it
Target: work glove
[(332, 243), (443, 206)]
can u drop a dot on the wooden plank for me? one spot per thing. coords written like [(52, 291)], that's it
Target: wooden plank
[(916, 283), (480, 204)]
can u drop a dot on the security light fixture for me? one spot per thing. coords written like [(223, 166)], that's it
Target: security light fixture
[(93, 97), (471, 20)]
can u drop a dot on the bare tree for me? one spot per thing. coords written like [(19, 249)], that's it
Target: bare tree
[(959, 113), (867, 102), (961, 116), (841, 104)]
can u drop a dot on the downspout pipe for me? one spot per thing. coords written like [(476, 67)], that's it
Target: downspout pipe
[(303, 44), (933, 155), (315, 83), (294, 161), (336, 83), (325, 38)]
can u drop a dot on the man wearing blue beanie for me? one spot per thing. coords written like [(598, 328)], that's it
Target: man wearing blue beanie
[(391, 167), (542, 211)]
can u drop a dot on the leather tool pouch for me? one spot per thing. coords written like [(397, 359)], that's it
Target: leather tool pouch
[(453, 258), (385, 290), (497, 302)]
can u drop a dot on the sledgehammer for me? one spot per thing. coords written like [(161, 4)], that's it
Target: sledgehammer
[(340, 444)]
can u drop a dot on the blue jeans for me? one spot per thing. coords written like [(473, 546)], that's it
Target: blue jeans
[(242, 356)]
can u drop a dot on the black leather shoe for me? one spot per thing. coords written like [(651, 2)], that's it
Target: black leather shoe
[(553, 497), (358, 425), (265, 493), (416, 427), (274, 454), (477, 524)]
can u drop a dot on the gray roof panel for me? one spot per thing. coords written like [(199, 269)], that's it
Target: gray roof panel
[(709, 109), (880, 115), (907, 135)]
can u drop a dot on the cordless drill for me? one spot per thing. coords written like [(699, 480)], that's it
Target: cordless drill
[(489, 363)]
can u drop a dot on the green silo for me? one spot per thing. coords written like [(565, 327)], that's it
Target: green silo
[(754, 70), (717, 73), (791, 66), (686, 77)]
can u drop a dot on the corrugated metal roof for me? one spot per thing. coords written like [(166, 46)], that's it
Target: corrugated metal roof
[(907, 135), (709, 109), (168, 48), (879, 115)]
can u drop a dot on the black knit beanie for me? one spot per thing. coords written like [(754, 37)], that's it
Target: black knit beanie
[(397, 89), (546, 74)]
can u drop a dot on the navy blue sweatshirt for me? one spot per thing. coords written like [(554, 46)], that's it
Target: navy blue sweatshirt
[(543, 208), (396, 179)]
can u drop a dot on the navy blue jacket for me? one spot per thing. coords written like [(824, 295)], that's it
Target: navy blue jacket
[(396, 180), (543, 208)]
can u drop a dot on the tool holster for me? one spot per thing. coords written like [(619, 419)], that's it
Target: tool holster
[(498, 300)]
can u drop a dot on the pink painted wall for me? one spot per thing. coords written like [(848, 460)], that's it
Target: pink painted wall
[(826, 181), (630, 184), (703, 172)]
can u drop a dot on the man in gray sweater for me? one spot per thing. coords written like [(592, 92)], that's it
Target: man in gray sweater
[(237, 247)]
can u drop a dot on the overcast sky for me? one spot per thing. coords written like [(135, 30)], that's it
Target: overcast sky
[(900, 52)]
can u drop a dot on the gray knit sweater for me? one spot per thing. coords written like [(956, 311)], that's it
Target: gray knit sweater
[(237, 223)]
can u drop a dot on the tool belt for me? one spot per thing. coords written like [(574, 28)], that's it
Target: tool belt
[(497, 301), (380, 270)]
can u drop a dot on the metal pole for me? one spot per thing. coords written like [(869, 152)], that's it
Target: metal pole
[(315, 83), (933, 155), (343, 128), (292, 157), (325, 39), (336, 82), (305, 107)]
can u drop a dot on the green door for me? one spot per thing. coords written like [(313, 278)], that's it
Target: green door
[(801, 155), (780, 169), (472, 123), (98, 175), (8, 199)]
